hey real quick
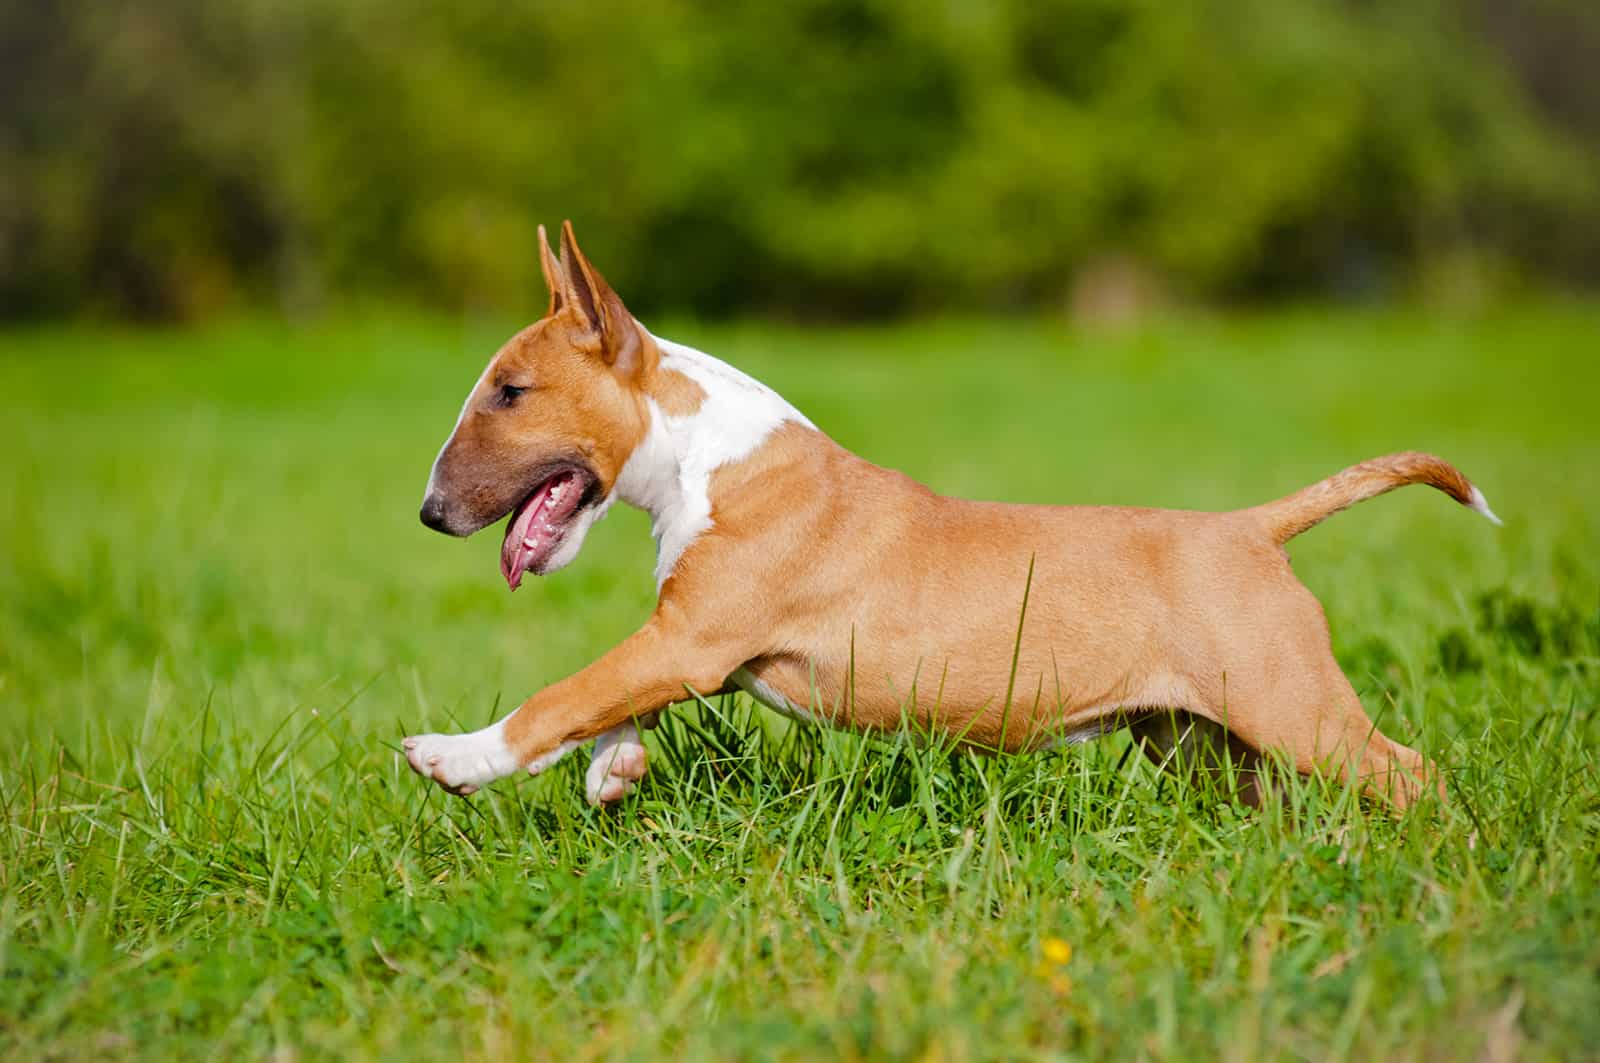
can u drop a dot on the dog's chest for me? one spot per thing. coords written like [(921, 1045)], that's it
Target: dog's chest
[(669, 474)]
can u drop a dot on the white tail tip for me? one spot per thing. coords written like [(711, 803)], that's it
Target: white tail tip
[(1481, 504)]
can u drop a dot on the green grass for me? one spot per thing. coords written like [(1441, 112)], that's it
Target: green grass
[(218, 614)]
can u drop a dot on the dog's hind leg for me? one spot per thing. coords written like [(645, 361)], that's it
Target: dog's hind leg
[(1322, 727), (1289, 694), (1346, 737)]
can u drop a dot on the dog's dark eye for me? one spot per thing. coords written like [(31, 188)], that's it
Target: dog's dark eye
[(509, 393)]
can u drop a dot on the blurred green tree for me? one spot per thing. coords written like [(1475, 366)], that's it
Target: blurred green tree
[(816, 157)]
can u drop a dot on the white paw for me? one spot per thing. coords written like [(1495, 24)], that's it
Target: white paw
[(619, 762), (461, 763)]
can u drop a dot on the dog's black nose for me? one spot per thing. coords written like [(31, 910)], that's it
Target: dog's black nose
[(433, 514)]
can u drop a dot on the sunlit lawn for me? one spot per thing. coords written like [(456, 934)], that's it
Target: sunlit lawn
[(218, 614)]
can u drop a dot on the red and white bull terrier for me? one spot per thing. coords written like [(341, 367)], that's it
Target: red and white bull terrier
[(836, 591)]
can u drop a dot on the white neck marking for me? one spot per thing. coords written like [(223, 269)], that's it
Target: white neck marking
[(668, 475)]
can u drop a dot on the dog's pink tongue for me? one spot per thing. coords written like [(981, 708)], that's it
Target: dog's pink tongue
[(534, 530), (522, 542)]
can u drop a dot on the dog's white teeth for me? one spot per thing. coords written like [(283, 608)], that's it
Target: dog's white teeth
[(529, 543)]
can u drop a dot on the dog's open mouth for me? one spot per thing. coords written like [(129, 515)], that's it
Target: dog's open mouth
[(541, 521)]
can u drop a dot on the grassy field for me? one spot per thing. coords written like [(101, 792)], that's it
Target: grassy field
[(218, 615)]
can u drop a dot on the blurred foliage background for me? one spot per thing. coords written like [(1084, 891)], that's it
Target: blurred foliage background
[(816, 158)]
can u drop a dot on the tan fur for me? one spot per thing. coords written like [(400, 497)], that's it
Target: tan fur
[(859, 593), (1309, 506), (676, 394)]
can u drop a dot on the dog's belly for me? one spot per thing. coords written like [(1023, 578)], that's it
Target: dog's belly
[(1083, 732), (771, 696), (792, 690)]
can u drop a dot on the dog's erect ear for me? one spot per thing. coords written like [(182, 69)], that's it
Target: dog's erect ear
[(586, 292), (554, 278)]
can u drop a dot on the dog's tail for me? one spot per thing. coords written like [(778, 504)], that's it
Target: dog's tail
[(1310, 506)]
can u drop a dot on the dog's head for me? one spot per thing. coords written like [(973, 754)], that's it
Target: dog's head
[(547, 429)]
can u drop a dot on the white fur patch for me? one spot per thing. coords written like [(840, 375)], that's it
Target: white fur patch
[(669, 474), (576, 533), (1086, 732), (466, 405), (771, 697), (618, 763), (469, 762), (547, 760), (1481, 505), (464, 762)]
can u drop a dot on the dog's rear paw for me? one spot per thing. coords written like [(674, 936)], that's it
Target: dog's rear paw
[(460, 763), (620, 761)]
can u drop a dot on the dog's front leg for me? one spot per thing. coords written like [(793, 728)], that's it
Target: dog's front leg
[(650, 670), (619, 761)]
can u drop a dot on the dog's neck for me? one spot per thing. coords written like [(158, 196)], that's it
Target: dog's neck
[(668, 475)]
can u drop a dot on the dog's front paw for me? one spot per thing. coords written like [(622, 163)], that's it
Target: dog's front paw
[(619, 762), (460, 764)]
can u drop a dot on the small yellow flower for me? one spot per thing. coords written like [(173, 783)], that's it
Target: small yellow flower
[(1055, 950)]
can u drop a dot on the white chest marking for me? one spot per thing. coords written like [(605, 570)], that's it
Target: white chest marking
[(669, 474)]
